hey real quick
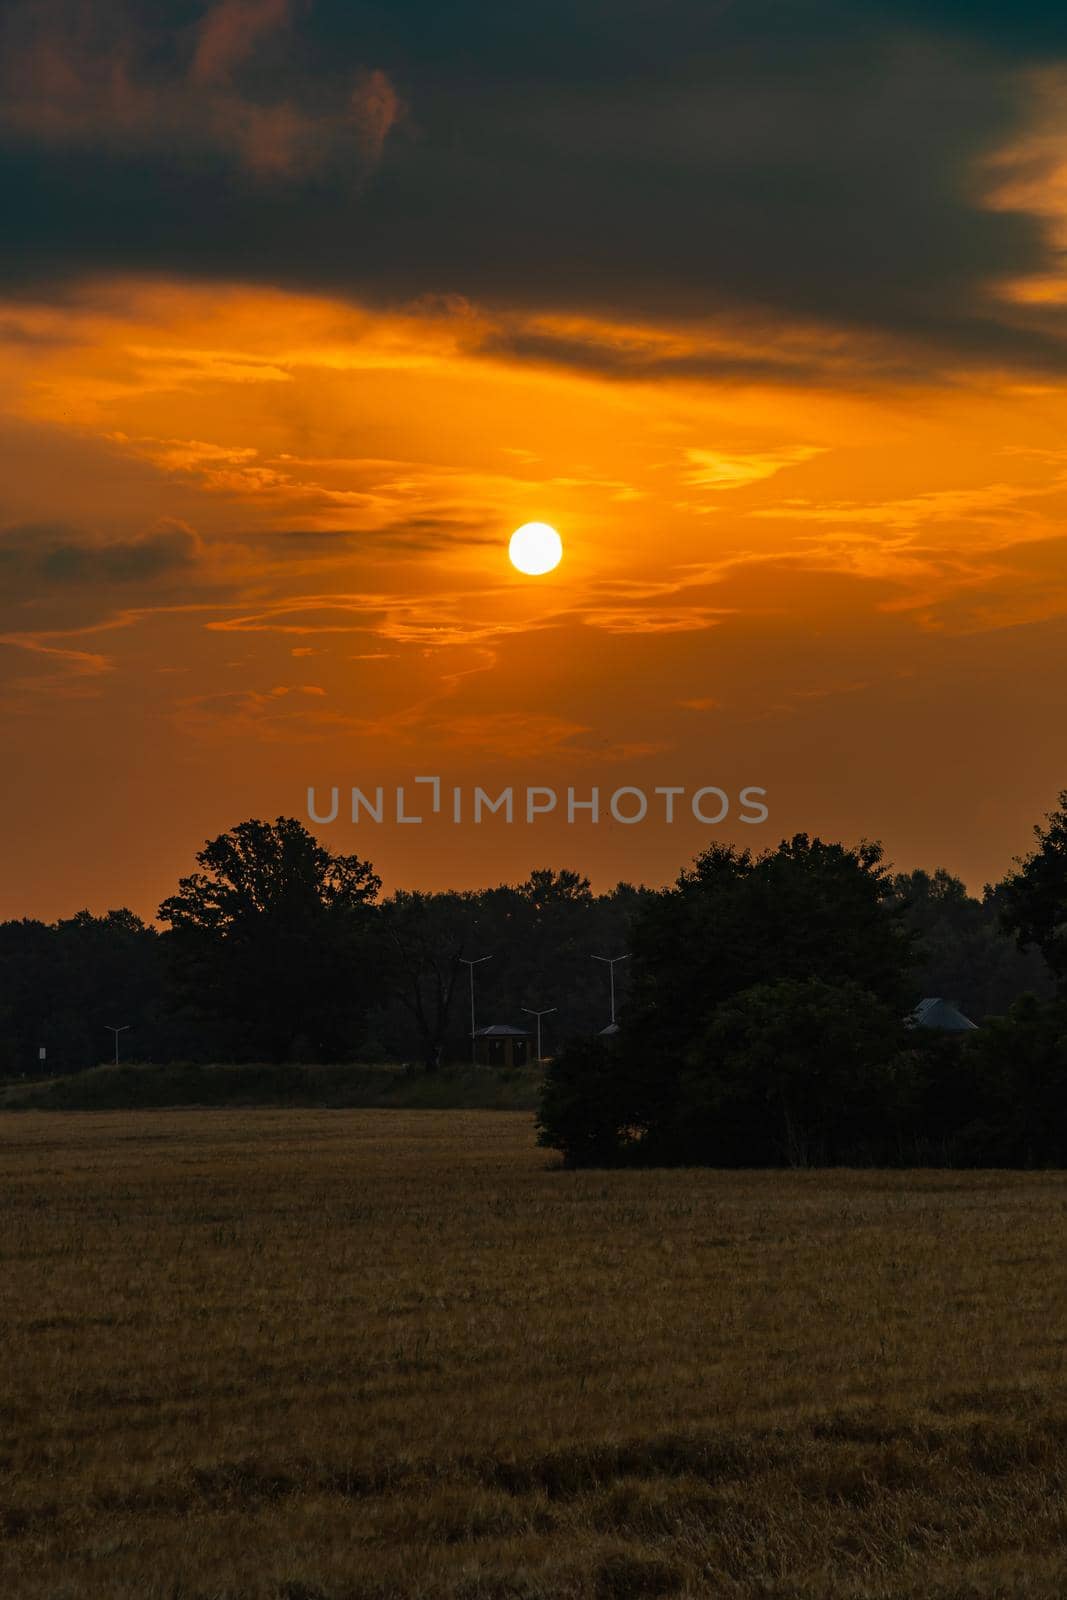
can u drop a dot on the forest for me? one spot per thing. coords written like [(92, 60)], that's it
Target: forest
[(274, 949)]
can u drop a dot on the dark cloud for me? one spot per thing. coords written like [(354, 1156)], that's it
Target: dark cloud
[(215, 84), (1028, 31), (425, 533), (667, 161), (644, 364), (37, 560)]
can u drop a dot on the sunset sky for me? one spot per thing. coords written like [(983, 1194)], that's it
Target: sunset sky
[(305, 305)]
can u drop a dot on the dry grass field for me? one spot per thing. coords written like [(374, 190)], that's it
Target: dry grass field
[(351, 1355)]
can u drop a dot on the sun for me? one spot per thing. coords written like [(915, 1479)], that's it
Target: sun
[(535, 548)]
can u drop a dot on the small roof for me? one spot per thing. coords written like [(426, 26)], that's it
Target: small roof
[(937, 1013), (501, 1030)]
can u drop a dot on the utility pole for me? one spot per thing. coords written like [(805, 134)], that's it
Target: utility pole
[(470, 966), (539, 1014), (611, 963), (116, 1032)]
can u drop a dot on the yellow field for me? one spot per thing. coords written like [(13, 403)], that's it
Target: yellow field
[(358, 1354)]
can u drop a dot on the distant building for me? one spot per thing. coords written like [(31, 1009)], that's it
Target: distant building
[(942, 1014), (502, 1046)]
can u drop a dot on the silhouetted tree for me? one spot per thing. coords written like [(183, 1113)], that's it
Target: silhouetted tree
[(61, 985), (1034, 896), (590, 1100), (541, 934), (1019, 1099), (545, 888), (805, 910), (806, 913), (963, 952), (272, 938), (426, 936), (798, 1071)]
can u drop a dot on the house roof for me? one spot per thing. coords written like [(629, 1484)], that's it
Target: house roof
[(501, 1030), (937, 1013)]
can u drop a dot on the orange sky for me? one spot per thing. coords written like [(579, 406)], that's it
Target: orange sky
[(288, 567)]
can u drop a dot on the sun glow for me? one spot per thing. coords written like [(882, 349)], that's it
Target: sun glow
[(535, 549)]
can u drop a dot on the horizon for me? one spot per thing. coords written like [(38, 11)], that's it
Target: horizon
[(599, 887)]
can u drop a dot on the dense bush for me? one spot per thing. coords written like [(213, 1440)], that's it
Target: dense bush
[(766, 996), (799, 1071), (767, 1022), (798, 1074)]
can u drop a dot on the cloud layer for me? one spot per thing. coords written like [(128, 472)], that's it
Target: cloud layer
[(825, 165)]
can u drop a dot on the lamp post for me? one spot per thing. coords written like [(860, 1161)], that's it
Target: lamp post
[(470, 965), (611, 963), (116, 1032), (539, 1014)]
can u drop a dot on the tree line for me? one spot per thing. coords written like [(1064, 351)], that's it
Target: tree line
[(762, 1006), (769, 1020), (274, 949)]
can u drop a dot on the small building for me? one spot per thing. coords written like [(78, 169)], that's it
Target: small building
[(502, 1046), (941, 1014)]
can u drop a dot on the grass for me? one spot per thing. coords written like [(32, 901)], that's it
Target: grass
[(140, 1086), (358, 1355)]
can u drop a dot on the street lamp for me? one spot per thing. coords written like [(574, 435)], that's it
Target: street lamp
[(470, 965), (539, 1014), (611, 963), (116, 1032)]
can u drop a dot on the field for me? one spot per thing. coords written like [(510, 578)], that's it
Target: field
[(351, 1355)]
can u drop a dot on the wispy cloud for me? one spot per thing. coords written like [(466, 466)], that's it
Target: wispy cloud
[(985, 503), (719, 469), (61, 673)]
